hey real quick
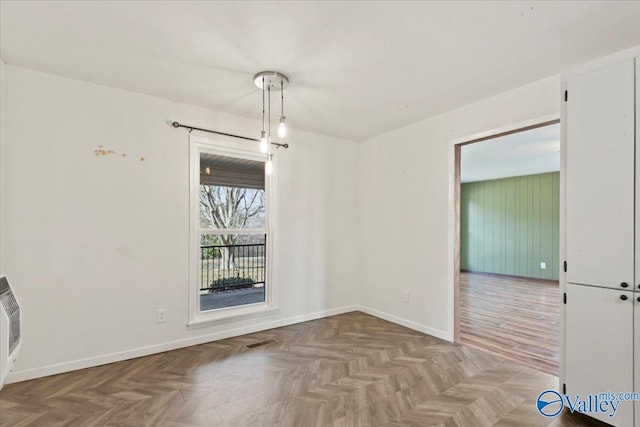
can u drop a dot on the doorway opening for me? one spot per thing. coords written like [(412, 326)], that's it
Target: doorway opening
[(506, 245)]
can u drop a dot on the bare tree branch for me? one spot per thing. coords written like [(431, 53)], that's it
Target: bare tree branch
[(229, 208)]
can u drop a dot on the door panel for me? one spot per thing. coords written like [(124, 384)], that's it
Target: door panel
[(637, 272), (636, 340), (600, 177), (636, 313), (599, 345)]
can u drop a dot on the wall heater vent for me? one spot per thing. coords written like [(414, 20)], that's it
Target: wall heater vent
[(9, 329)]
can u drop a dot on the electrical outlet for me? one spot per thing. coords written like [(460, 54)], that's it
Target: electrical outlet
[(543, 265), (161, 315), (405, 297)]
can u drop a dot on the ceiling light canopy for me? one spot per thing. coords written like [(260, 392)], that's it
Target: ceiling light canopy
[(269, 81), (271, 78)]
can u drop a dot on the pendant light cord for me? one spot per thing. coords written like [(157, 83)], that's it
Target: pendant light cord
[(263, 104), (269, 114)]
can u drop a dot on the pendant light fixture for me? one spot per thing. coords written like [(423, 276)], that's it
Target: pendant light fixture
[(282, 128), (268, 80)]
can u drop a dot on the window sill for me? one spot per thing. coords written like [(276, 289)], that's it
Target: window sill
[(226, 315)]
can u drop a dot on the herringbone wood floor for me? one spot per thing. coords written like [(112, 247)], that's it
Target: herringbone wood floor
[(347, 370)]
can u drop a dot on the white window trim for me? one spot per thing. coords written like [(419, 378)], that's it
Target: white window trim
[(244, 150)]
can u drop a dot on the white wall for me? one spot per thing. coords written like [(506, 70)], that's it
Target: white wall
[(405, 219), (94, 245), (3, 90)]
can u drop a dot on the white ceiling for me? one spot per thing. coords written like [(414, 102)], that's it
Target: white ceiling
[(357, 69), (523, 153)]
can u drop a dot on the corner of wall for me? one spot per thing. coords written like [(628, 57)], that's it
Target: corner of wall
[(417, 160)]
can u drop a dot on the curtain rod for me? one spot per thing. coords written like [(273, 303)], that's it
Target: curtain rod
[(192, 128)]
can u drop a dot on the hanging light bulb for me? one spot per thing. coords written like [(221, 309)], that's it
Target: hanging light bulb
[(282, 128), (264, 143), (268, 166)]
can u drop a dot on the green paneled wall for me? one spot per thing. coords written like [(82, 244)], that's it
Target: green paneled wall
[(510, 225)]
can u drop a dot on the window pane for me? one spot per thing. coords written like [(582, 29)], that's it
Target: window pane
[(232, 270), (227, 207), (232, 193)]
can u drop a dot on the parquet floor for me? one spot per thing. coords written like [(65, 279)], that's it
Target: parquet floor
[(343, 371), (513, 317)]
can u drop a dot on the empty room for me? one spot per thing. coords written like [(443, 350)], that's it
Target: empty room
[(510, 245), (275, 213)]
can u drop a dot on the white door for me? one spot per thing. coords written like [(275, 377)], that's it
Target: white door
[(637, 282), (600, 177), (636, 340), (599, 346)]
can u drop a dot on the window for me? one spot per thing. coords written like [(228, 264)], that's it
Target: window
[(230, 232)]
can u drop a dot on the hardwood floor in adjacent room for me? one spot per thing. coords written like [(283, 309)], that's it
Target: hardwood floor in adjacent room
[(343, 371), (513, 317)]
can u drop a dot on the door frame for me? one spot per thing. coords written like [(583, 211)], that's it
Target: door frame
[(455, 189)]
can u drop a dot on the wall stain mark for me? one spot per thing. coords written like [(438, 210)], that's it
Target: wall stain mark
[(101, 151)]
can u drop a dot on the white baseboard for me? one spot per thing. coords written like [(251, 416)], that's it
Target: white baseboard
[(59, 368), (448, 336)]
